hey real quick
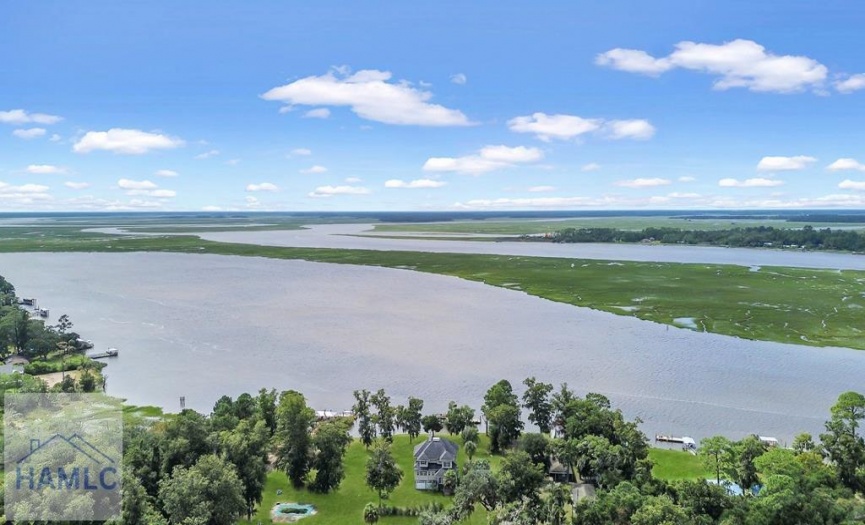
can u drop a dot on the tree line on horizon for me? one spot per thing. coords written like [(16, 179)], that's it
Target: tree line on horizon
[(807, 237)]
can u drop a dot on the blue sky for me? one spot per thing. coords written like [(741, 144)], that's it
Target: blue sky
[(443, 105)]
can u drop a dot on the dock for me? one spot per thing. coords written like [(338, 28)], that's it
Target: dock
[(688, 443), (111, 352)]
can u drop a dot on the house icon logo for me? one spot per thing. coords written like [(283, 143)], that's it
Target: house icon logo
[(66, 463)]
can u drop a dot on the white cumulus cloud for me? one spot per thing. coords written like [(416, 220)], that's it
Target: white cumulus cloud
[(45, 169), (459, 79), (207, 154), (848, 184), (736, 64), (548, 127), (566, 127), (128, 184), (314, 169), (301, 152), (487, 159), (371, 96), (166, 173), (20, 116), (125, 141), (330, 191), (77, 185), (643, 183), (637, 129), (317, 113), (415, 184), (29, 133), (846, 164), (541, 189), (592, 166), (264, 186), (758, 182), (687, 178), (851, 83), (799, 162)]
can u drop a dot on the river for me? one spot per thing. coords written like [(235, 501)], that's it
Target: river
[(201, 326)]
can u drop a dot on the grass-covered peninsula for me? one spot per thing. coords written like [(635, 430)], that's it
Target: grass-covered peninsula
[(801, 306)]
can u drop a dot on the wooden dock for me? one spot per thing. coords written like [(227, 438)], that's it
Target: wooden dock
[(111, 352)]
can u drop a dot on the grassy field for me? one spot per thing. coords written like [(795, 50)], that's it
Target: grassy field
[(526, 226), (673, 465), (346, 504), (800, 306)]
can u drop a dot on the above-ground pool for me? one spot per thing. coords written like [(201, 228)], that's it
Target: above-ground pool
[(290, 512)]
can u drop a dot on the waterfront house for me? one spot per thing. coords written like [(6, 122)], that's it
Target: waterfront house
[(432, 459)]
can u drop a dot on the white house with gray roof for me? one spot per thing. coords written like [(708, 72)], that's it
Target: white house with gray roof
[(432, 459)]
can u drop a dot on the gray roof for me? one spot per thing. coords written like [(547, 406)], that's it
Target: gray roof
[(436, 450)]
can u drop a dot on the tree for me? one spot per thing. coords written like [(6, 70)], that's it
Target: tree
[(266, 408), (330, 442), (803, 442), (843, 447), (505, 426), (660, 510), (136, 506), (382, 473), (16, 329), (223, 417), (370, 513), (209, 492), (365, 426), (63, 325), (739, 463), (712, 452), (470, 435), (559, 403), (412, 416), (458, 418), (385, 415), (537, 446), (432, 424), (478, 485), (536, 399), (449, 482), (245, 447), (294, 422), (185, 440), (470, 447), (87, 381), (519, 477)]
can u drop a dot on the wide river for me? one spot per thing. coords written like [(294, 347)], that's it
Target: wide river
[(201, 326), (344, 236)]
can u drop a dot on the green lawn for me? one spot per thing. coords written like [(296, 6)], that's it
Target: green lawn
[(675, 464), (346, 504)]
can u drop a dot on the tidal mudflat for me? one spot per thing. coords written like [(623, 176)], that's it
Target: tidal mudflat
[(201, 326)]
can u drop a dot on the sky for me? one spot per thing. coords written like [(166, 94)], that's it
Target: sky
[(448, 105)]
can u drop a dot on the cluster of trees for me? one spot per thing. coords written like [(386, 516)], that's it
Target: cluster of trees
[(754, 237), (190, 468), (808, 483)]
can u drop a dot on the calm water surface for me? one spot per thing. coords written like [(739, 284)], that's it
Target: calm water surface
[(340, 236), (201, 326)]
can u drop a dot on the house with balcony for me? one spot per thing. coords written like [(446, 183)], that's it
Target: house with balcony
[(432, 459)]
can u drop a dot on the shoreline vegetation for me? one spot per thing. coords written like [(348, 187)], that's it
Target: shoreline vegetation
[(810, 307), (53, 355), (585, 465)]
